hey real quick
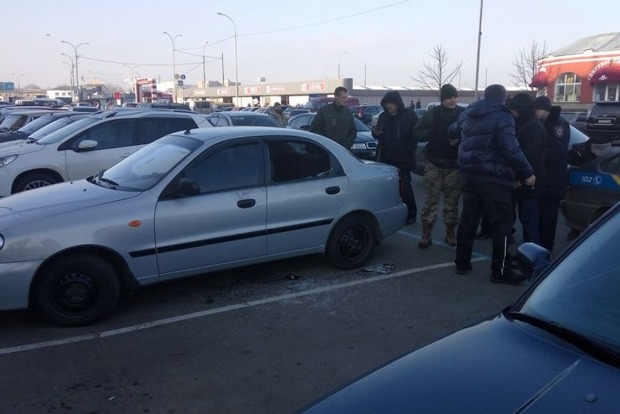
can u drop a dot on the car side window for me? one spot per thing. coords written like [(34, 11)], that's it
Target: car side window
[(113, 134), (300, 160), (151, 129), (228, 168), (612, 165)]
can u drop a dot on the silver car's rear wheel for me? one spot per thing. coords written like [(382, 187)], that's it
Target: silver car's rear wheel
[(77, 290), (351, 243)]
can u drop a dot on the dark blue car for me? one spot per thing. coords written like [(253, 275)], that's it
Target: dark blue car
[(556, 350)]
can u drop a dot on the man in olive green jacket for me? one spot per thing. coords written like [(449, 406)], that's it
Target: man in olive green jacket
[(335, 121)]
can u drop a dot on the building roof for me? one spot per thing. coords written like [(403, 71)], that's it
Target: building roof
[(606, 42)]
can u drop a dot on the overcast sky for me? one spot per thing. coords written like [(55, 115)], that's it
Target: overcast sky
[(376, 42)]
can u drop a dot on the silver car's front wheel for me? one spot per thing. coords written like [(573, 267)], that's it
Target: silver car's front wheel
[(33, 181), (77, 290)]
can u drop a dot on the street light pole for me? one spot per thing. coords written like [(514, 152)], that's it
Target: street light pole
[(174, 70), (18, 84), (71, 77), (478, 53), (236, 59), (204, 72), (77, 77)]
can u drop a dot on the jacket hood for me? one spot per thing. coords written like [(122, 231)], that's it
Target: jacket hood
[(393, 97)]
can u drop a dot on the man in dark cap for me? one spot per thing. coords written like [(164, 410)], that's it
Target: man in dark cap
[(556, 168), (532, 140), (441, 172), (491, 161), (397, 144)]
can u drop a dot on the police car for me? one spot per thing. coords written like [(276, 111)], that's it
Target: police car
[(593, 188)]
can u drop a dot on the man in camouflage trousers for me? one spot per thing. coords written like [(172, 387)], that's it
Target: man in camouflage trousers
[(441, 172)]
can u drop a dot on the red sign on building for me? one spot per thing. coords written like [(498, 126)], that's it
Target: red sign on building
[(313, 87)]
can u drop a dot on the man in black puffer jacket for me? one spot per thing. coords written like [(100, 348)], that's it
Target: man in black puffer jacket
[(397, 144), (491, 161)]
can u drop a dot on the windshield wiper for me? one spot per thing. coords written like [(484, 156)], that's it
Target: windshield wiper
[(598, 350), (100, 179)]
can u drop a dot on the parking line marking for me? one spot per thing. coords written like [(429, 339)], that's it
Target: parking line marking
[(208, 312)]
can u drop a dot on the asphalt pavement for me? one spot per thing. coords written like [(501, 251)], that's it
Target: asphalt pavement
[(262, 339)]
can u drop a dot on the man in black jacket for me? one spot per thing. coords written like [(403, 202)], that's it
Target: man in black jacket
[(491, 161), (532, 140), (556, 168), (397, 144)]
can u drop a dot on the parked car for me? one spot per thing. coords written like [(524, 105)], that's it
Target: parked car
[(314, 104), (555, 350), (242, 118), (364, 146), (576, 119), (17, 119), (593, 188), (192, 202), (86, 146), (291, 111), (365, 112), (32, 126), (603, 122)]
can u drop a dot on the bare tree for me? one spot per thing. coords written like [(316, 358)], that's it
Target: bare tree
[(526, 63), (436, 73)]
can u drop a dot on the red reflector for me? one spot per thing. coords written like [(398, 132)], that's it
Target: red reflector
[(134, 223)]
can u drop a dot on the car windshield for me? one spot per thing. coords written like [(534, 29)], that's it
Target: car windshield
[(581, 292), (54, 126), (146, 167), (360, 126), (251, 120), (67, 130), (36, 124)]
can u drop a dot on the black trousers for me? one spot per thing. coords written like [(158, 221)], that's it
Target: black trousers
[(549, 206), (494, 203), (408, 196)]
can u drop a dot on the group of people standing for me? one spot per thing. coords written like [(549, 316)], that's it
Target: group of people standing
[(506, 159)]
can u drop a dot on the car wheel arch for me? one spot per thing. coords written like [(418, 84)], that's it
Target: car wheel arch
[(363, 220), (126, 279), (54, 175)]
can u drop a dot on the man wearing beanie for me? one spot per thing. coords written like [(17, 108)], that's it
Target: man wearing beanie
[(441, 172), (491, 161), (556, 170), (397, 145), (532, 140)]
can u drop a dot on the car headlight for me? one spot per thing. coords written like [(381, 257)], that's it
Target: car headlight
[(358, 146), (1, 241), (7, 160)]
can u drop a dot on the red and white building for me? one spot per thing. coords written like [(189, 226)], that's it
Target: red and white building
[(581, 73)]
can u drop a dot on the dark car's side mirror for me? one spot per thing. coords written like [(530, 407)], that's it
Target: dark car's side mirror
[(532, 259)]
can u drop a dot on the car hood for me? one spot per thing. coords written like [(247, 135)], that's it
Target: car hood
[(18, 147), (496, 366), (55, 199)]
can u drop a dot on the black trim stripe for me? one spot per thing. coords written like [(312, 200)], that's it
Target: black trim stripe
[(226, 239)]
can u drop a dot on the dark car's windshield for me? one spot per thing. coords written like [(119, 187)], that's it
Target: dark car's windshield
[(582, 293)]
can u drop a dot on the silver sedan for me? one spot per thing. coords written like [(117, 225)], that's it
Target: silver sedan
[(190, 203)]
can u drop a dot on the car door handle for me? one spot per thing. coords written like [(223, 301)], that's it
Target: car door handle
[(246, 203), (332, 190)]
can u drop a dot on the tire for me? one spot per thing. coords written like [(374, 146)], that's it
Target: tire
[(33, 181), (351, 243), (77, 290)]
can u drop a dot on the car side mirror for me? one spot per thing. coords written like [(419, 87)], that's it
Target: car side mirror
[(187, 187), (532, 260), (87, 145)]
